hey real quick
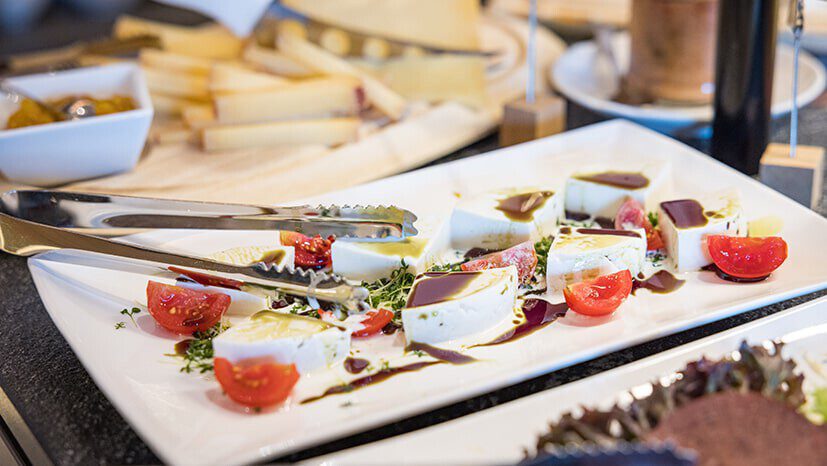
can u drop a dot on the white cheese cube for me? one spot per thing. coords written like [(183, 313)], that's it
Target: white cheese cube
[(599, 192), (288, 339), (448, 306), (685, 224), (370, 261), (582, 253), (501, 219)]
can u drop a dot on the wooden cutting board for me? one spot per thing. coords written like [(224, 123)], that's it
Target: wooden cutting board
[(265, 176)]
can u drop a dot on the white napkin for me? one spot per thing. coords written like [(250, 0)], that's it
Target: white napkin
[(240, 16)]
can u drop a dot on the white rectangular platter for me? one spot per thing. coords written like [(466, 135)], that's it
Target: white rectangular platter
[(498, 435), (185, 419)]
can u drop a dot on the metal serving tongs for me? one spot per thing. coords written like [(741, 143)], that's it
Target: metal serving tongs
[(33, 221)]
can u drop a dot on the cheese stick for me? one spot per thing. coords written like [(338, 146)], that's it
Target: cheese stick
[(385, 99), (226, 79), (171, 105), (313, 98), (276, 62), (206, 42), (329, 132), (175, 62), (177, 84), (198, 116)]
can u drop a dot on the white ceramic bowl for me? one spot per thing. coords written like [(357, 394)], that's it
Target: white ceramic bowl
[(57, 153)]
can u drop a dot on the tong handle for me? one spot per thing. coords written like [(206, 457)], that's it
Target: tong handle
[(26, 238)]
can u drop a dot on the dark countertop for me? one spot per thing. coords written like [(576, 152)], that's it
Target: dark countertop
[(72, 422)]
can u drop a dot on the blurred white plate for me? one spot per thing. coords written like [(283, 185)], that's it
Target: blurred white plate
[(585, 77), (498, 435), (185, 419)]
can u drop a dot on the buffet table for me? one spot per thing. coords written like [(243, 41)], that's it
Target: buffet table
[(52, 411)]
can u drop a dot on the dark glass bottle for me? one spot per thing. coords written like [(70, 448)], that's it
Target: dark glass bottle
[(743, 81)]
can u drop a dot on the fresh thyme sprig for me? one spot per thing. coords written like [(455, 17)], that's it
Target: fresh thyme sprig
[(391, 293), (131, 314), (199, 355), (541, 248), (453, 267)]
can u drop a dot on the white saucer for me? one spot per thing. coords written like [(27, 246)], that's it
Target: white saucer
[(587, 78)]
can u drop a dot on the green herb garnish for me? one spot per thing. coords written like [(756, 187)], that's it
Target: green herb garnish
[(199, 355), (120, 325), (541, 248), (818, 404), (455, 267), (653, 218), (131, 314), (391, 293)]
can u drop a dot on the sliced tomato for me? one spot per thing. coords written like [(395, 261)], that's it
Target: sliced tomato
[(375, 321), (631, 215), (311, 253), (747, 257), (256, 383), (522, 256), (600, 296), (183, 310)]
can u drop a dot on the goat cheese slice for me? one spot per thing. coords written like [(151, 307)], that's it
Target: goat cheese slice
[(371, 261), (600, 192), (685, 224), (447, 306), (501, 219), (246, 255), (577, 254), (288, 339)]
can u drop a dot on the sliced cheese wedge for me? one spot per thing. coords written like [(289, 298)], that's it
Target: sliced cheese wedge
[(599, 191), (432, 23), (437, 78), (359, 260), (577, 254), (503, 218), (685, 224), (286, 338), (448, 306)]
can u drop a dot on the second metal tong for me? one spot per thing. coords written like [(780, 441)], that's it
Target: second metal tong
[(107, 215), (37, 221)]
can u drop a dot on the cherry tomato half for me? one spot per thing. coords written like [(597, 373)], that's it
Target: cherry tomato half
[(374, 322), (256, 383), (311, 253), (747, 257), (600, 296), (183, 310)]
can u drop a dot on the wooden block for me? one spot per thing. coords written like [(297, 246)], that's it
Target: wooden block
[(525, 122), (800, 178)]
